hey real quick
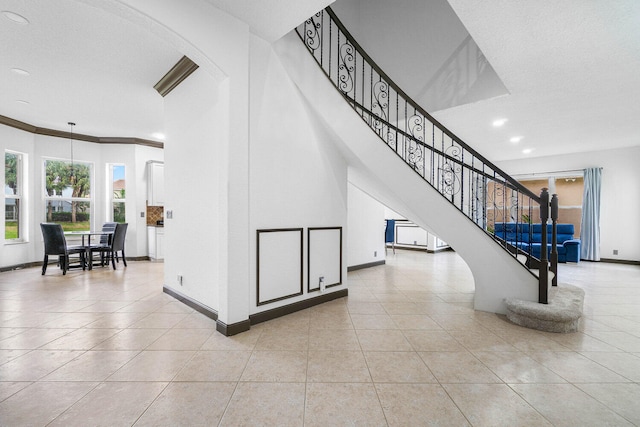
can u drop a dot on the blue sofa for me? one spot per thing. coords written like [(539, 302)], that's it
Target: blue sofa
[(528, 237)]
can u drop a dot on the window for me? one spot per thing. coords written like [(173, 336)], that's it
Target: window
[(68, 194), (117, 191), (13, 196), (569, 190)]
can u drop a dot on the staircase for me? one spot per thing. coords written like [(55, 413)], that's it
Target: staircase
[(404, 158)]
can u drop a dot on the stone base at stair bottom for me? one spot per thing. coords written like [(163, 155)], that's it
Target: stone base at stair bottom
[(562, 314)]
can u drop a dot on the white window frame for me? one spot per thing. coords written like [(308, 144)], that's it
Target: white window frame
[(111, 199), (20, 197), (90, 199)]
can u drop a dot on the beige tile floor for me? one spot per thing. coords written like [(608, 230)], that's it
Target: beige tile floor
[(405, 348)]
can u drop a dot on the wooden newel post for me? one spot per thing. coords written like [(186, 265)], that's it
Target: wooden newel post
[(543, 278), (554, 239), (544, 205)]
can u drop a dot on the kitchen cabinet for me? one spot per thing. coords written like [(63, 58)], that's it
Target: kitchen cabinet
[(155, 239), (155, 183)]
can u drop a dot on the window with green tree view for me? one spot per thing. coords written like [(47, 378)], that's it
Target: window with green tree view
[(118, 193), (68, 194), (13, 196)]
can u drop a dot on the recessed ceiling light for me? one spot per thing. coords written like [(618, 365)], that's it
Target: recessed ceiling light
[(158, 135), (23, 102), (516, 139), (20, 71), (499, 122), (18, 19), (527, 151)]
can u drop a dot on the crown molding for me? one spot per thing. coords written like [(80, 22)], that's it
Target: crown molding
[(136, 141), (8, 121), (67, 135), (175, 76)]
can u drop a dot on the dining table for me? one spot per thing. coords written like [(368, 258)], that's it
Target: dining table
[(87, 234)]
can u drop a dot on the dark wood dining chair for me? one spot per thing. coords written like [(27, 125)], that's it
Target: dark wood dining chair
[(107, 227), (56, 244), (110, 252), (104, 242)]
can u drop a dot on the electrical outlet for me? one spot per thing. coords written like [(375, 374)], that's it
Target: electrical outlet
[(615, 252), (375, 254), (180, 279), (322, 286), (141, 214), (169, 215)]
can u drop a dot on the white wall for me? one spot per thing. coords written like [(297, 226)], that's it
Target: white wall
[(219, 44), (620, 198), (41, 147), (195, 117), (297, 176), (365, 229)]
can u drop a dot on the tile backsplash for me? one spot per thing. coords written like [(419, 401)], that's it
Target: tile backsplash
[(154, 213)]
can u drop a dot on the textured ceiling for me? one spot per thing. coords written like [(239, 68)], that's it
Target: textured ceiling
[(427, 51), (98, 69), (571, 69), (271, 19), (86, 66)]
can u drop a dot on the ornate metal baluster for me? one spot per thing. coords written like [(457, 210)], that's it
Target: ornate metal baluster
[(462, 179), (450, 172), (312, 37), (346, 67), (415, 125)]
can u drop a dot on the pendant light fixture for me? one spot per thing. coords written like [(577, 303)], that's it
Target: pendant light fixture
[(72, 175)]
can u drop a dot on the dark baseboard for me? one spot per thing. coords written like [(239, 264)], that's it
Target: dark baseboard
[(367, 265), (25, 265), (434, 251), (410, 248), (197, 306), (245, 325), (221, 327), (234, 328), (618, 261), (296, 306), (54, 260)]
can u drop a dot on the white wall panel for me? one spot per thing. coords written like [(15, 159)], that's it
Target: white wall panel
[(279, 265), (324, 256)]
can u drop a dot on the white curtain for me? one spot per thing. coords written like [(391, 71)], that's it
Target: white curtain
[(590, 227)]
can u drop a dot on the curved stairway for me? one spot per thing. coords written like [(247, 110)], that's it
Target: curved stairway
[(401, 156)]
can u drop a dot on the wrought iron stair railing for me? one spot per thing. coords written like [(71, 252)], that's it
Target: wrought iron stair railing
[(470, 182)]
